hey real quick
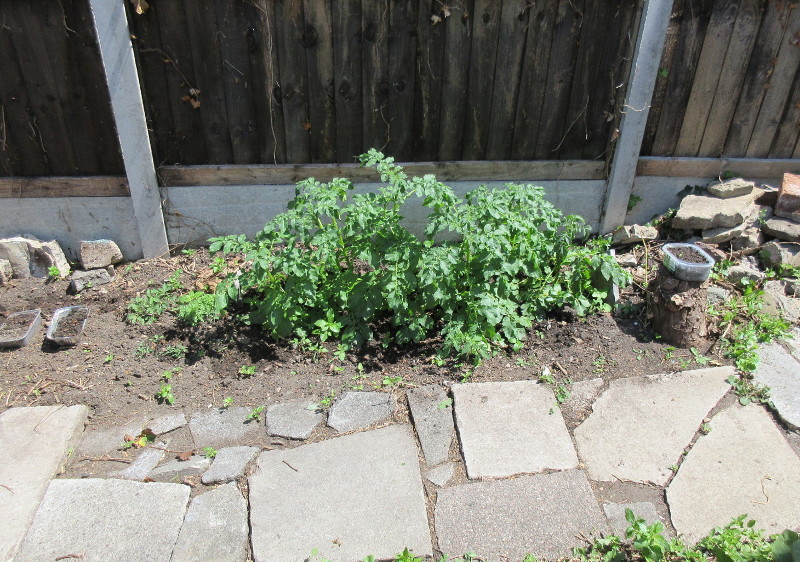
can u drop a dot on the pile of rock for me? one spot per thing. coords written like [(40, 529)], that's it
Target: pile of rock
[(97, 259)]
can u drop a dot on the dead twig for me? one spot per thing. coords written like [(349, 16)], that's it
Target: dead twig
[(290, 466), (8, 488), (105, 459), (66, 556)]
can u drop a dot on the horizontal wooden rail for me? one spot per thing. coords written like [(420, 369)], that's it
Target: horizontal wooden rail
[(754, 168), (444, 171), (58, 186)]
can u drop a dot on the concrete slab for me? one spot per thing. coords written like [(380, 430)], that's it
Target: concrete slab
[(223, 426), (167, 423), (442, 474), (215, 527), (615, 512), (34, 442), (780, 371), (229, 464), (793, 343), (744, 465), (176, 470), (295, 419), (583, 394), (145, 461), (544, 515), (348, 497), (97, 442), (108, 520), (359, 410), (640, 425), (433, 420), (509, 428)]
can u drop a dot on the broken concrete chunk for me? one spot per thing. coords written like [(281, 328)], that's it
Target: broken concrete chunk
[(627, 260), (705, 212), (782, 229), (780, 253), (788, 204), (731, 188), (6, 272), (739, 273), (30, 257), (84, 279), (99, 253), (750, 238), (722, 234), (633, 234)]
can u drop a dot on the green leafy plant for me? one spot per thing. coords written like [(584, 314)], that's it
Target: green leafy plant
[(738, 541), (255, 413), (196, 307), (209, 452), (165, 395), (247, 370), (147, 308), (53, 272), (334, 266), (227, 402), (327, 401), (108, 358), (175, 351)]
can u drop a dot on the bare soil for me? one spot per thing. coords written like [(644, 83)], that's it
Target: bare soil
[(117, 368)]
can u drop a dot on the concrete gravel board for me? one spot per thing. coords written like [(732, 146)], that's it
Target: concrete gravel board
[(222, 426), (509, 428), (544, 515), (215, 527), (744, 465), (363, 491), (780, 371), (229, 464), (433, 421), (640, 426), (34, 442), (106, 520), (295, 419), (359, 410)]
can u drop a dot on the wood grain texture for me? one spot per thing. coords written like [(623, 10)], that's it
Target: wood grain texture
[(73, 186), (346, 22), (455, 79), (756, 168), (787, 138), (375, 73), (428, 79), (402, 47), (318, 41)]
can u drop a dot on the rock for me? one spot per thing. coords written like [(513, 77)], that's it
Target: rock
[(780, 253), (30, 257), (717, 295), (84, 279), (782, 229), (744, 465), (295, 419), (433, 419), (176, 470), (740, 274), (627, 260), (722, 234), (102, 519), (349, 497), (731, 188), (6, 272), (95, 254), (703, 212), (788, 204), (441, 474), (640, 425), (750, 238), (140, 468), (615, 512), (544, 515), (777, 303), (633, 234), (583, 393), (229, 464), (98, 442), (778, 370), (215, 527), (167, 423), (34, 442), (509, 428), (220, 427), (793, 287), (359, 410)]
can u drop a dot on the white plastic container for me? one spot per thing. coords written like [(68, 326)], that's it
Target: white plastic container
[(67, 325), (18, 328), (687, 270)]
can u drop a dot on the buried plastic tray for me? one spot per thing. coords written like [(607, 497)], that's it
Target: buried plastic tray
[(18, 328), (67, 325), (687, 270)]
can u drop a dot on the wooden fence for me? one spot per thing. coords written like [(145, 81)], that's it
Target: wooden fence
[(729, 81)]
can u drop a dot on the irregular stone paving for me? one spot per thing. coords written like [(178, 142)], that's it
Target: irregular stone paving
[(146, 461), (509, 428), (176, 470), (615, 512), (348, 497), (106, 520), (540, 514), (359, 410), (442, 474), (432, 412), (744, 465), (33, 444), (295, 419), (217, 428), (780, 371), (229, 464), (640, 425)]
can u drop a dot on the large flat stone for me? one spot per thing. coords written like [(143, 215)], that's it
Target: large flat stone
[(744, 465), (433, 420), (640, 425), (295, 419), (509, 428), (98, 253), (215, 527), (33, 444), (176, 470), (109, 520), (544, 515), (359, 410), (782, 229), (229, 464), (735, 187), (220, 427), (704, 212), (780, 371), (363, 491), (101, 441), (144, 462)]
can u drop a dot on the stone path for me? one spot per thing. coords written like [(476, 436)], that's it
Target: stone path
[(488, 467)]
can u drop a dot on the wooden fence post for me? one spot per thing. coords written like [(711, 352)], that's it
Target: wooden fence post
[(113, 36), (642, 80)]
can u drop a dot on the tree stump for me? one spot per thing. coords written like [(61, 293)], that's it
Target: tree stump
[(678, 310)]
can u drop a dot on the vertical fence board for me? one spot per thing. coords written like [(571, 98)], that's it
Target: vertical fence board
[(429, 74), (402, 52), (788, 134), (318, 40), (375, 72), (455, 80), (346, 21)]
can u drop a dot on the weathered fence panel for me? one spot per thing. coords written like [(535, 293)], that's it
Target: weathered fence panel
[(55, 117), (316, 81), (729, 80)]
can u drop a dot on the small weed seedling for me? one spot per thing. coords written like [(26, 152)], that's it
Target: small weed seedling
[(522, 362), (705, 429), (391, 381), (327, 401), (145, 438), (149, 307), (54, 273), (227, 402), (108, 359), (562, 392), (444, 404), (175, 351), (255, 413), (165, 395), (247, 370), (699, 358), (209, 452)]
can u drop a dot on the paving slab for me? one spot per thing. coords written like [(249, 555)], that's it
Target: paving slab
[(106, 520), (97, 442), (640, 426), (583, 393), (544, 515), (433, 420), (705, 212), (615, 512), (176, 470), (360, 410), (348, 497), (441, 474), (220, 427), (229, 464), (144, 462), (509, 428), (34, 442), (780, 371), (793, 343), (295, 419), (744, 465), (215, 527), (167, 423)]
